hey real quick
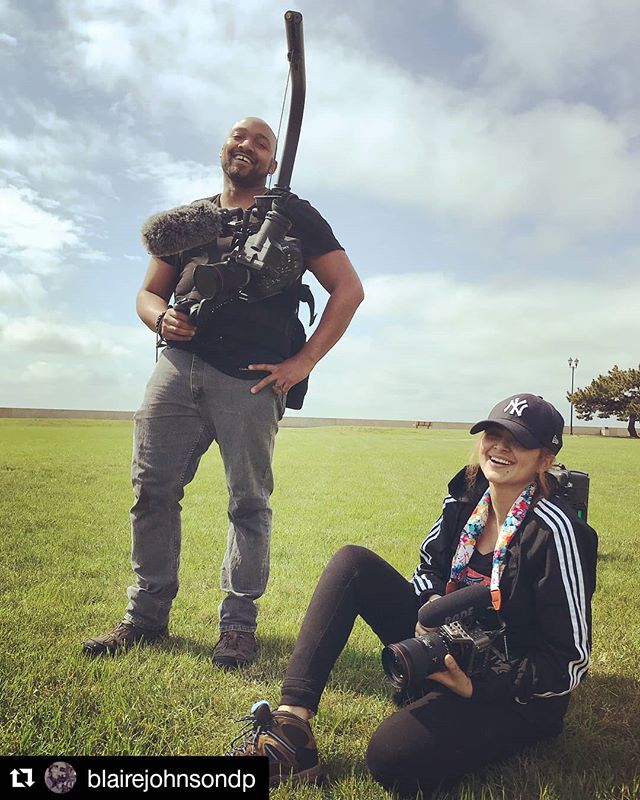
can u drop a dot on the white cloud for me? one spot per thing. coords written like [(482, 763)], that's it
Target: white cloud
[(62, 155), (422, 346), (427, 346), (553, 46), (51, 336), (452, 153), (52, 364), (38, 240), (21, 291), (33, 237), (175, 182), (173, 58), (536, 157), (372, 128)]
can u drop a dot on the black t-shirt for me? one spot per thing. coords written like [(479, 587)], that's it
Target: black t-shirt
[(235, 336)]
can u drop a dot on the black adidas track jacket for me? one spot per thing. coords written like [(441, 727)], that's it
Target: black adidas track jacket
[(546, 587)]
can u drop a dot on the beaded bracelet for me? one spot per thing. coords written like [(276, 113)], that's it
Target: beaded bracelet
[(159, 322)]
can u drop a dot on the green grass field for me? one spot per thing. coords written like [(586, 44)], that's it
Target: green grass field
[(64, 511)]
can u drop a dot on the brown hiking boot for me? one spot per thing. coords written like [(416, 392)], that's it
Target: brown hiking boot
[(123, 636), (287, 741), (235, 649)]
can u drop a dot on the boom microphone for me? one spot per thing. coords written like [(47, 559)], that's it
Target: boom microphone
[(183, 228), (456, 606)]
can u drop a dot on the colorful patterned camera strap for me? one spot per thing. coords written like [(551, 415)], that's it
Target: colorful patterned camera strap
[(471, 532)]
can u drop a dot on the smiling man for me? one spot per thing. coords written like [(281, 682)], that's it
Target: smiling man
[(242, 163), (224, 378)]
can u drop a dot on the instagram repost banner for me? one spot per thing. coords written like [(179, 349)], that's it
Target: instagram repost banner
[(225, 778)]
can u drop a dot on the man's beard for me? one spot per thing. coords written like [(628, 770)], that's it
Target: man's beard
[(246, 180)]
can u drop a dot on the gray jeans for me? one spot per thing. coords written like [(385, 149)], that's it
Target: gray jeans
[(188, 405)]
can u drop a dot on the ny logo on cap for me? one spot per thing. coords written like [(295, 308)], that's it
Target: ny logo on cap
[(516, 406)]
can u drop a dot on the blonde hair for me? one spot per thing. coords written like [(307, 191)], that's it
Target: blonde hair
[(543, 479)]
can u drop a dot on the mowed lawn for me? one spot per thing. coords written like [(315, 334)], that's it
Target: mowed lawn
[(65, 568)]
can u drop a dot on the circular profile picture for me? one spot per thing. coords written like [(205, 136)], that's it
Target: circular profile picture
[(60, 777)]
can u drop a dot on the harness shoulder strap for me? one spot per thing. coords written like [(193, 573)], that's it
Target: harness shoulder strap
[(305, 295)]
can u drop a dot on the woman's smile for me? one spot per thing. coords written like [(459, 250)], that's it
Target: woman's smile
[(504, 460)]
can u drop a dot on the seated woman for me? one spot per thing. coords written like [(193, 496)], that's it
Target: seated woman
[(503, 524)]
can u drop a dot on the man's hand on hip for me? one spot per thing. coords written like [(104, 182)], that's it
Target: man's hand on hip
[(282, 376)]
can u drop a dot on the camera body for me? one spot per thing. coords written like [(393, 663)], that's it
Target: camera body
[(408, 663), (274, 260), (263, 261)]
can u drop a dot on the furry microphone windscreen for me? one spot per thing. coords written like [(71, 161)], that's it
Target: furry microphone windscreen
[(182, 228)]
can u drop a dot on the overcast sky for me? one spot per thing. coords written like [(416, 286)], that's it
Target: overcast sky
[(478, 159)]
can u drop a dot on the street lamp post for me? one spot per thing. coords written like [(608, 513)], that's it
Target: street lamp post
[(573, 363)]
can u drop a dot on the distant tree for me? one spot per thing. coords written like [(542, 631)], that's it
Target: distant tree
[(616, 394)]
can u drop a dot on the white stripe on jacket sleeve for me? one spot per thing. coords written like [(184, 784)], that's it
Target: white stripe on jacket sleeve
[(420, 582), (564, 537)]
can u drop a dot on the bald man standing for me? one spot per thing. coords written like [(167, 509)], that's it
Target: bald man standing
[(227, 381)]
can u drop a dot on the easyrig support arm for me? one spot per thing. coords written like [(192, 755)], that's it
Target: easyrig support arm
[(295, 45)]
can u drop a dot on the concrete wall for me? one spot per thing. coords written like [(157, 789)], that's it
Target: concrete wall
[(318, 422), (314, 422), (61, 413), (296, 421)]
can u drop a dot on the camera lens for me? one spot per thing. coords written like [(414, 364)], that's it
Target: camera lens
[(214, 279), (397, 664), (408, 663)]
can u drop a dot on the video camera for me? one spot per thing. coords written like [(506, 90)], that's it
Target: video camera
[(263, 260), (455, 618)]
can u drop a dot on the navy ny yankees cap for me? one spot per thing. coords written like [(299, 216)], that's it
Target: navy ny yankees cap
[(533, 421)]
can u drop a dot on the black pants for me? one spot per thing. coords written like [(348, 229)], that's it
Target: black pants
[(432, 741)]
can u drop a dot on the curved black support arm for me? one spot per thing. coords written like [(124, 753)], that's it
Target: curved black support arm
[(295, 45)]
